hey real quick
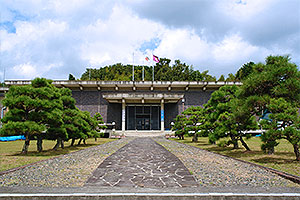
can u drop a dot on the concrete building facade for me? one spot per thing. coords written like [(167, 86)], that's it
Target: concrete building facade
[(137, 105)]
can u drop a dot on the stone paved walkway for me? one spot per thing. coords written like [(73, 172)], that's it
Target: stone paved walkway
[(142, 163)]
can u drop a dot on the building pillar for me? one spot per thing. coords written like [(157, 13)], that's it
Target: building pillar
[(162, 115), (123, 114), (182, 106)]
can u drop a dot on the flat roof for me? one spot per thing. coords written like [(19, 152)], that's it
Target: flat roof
[(132, 84)]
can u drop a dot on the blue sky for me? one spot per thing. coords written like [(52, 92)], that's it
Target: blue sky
[(54, 38)]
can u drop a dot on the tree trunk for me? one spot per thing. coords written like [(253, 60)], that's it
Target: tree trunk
[(95, 139), (79, 142), (296, 150), (234, 142), (244, 144), (181, 136), (39, 143), (58, 142), (62, 145), (84, 141), (195, 138), (72, 142), (26, 145), (271, 150)]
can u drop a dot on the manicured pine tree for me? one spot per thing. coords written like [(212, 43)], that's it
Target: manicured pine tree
[(30, 109), (284, 124), (180, 126), (278, 78), (71, 116), (86, 126), (99, 124), (225, 118), (194, 120)]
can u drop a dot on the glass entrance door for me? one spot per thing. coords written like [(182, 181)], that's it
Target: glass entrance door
[(142, 122), (143, 117)]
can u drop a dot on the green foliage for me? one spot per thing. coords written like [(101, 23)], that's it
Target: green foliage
[(271, 87), (17, 128), (231, 78), (189, 122), (43, 111), (222, 78), (71, 77), (79, 124), (284, 124), (37, 105), (99, 121), (163, 71), (226, 117), (244, 71), (180, 126), (277, 78), (194, 120)]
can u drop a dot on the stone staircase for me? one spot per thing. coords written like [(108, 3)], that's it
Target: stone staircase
[(132, 133)]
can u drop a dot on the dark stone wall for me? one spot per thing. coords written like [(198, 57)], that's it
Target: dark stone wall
[(171, 111), (196, 98), (93, 102), (191, 98), (114, 113)]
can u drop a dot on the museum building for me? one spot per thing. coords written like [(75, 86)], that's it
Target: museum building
[(137, 105)]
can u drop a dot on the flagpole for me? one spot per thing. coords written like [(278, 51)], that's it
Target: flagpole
[(152, 69), (153, 72), (143, 72), (133, 66), (156, 60)]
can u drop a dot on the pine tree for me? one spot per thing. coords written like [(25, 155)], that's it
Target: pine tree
[(278, 78), (32, 109), (225, 117), (195, 117)]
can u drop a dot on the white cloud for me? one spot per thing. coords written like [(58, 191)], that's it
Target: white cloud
[(55, 38), (233, 48), (115, 39), (183, 43), (29, 71), (244, 9), (25, 70)]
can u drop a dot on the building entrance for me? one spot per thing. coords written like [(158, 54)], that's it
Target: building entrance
[(142, 117)]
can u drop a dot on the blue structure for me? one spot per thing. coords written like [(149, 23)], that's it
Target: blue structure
[(12, 138)]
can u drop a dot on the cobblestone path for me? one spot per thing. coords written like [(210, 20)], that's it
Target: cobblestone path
[(142, 163)]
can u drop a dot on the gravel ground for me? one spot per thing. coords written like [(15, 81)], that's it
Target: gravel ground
[(70, 170), (215, 170)]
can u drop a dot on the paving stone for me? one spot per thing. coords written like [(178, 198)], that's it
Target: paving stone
[(142, 163)]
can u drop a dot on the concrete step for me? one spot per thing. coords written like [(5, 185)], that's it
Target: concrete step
[(152, 196), (151, 133)]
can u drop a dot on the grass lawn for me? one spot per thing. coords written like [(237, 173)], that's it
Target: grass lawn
[(10, 151), (283, 159)]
